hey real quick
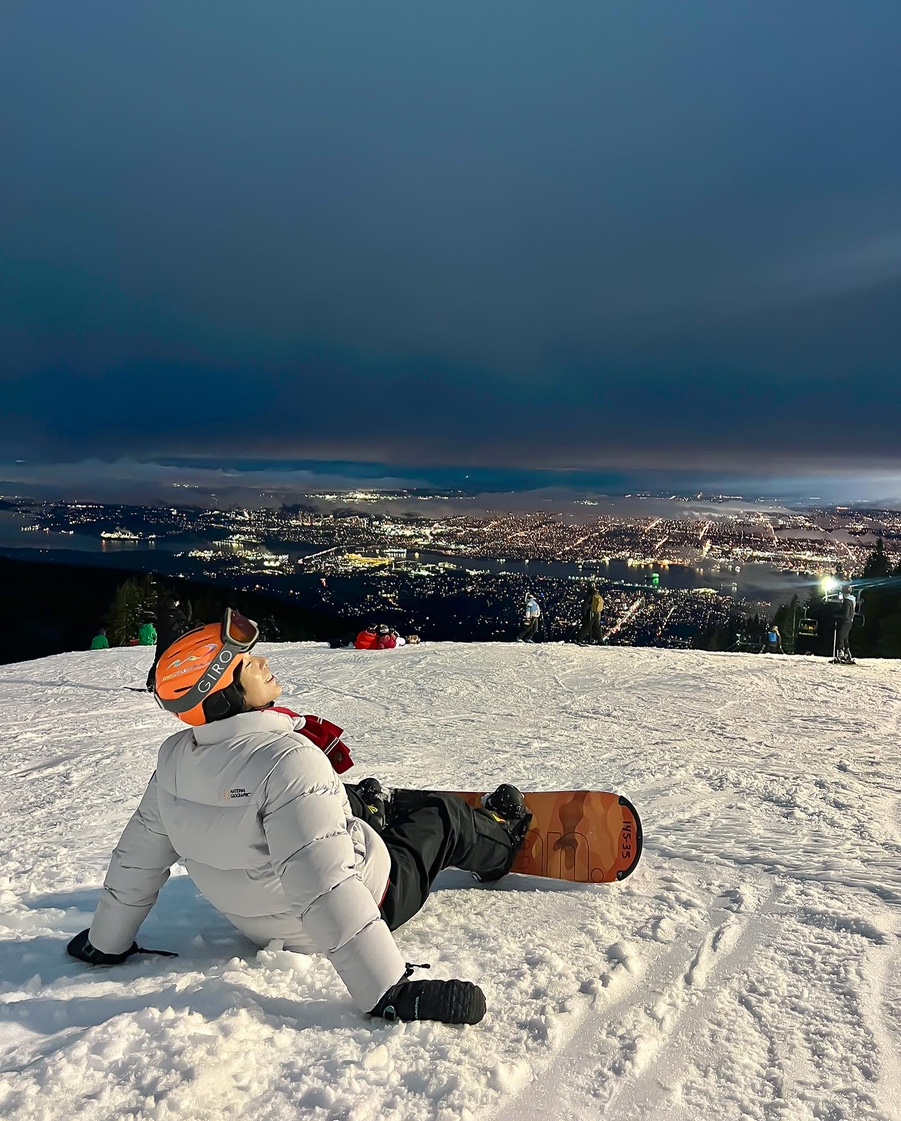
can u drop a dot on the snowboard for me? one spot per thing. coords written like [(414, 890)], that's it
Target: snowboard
[(585, 836)]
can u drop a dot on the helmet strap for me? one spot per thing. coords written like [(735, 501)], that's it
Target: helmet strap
[(226, 702)]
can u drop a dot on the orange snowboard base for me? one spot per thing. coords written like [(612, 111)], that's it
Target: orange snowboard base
[(585, 836)]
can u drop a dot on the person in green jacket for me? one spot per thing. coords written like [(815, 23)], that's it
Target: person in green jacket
[(147, 635), (100, 641)]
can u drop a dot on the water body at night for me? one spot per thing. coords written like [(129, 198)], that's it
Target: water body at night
[(751, 581), (761, 582)]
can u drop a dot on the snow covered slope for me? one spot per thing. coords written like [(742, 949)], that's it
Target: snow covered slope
[(751, 967)]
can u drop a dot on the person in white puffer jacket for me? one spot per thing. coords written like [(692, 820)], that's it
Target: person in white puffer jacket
[(246, 797)]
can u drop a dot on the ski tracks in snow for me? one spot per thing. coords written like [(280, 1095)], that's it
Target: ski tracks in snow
[(630, 1044), (684, 1033)]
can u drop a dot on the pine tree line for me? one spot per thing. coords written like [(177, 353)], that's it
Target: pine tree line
[(139, 598), (133, 604)]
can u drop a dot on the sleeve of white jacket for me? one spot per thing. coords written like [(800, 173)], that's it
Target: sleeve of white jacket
[(139, 868), (313, 855)]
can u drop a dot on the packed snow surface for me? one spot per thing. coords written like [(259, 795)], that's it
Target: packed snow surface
[(748, 968)]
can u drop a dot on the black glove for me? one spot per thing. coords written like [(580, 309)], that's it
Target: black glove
[(81, 948), (451, 1002)]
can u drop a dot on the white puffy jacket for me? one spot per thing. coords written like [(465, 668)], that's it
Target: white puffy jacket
[(262, 824)]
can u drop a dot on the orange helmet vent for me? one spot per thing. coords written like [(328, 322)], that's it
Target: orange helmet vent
[(185, 662)]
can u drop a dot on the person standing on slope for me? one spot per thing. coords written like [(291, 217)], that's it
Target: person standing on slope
[(590, 631), (843, 624), (173, 620), (247, 798), (530, 620)]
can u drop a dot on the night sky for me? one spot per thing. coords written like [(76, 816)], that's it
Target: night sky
[(594, 236)]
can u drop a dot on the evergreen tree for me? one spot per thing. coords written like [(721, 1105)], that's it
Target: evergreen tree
[(877, 563), (889, 643), (129, 609), (786, 619)]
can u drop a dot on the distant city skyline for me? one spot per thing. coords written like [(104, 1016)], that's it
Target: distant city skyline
[(631, 241)]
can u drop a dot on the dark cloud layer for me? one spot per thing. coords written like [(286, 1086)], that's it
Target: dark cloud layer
[(568, 235)]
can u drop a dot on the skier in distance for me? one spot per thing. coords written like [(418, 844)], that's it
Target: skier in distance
[(531, 617), (847, 605)]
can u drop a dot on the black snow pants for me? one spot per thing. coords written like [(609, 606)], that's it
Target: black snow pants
[(527, 634), (429, 831), (590, 630), (842, 633)]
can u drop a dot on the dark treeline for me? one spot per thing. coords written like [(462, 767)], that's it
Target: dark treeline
[(737, 631), (50, 608)]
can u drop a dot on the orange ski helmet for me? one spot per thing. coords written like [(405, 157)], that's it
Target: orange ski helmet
[(197, 676)]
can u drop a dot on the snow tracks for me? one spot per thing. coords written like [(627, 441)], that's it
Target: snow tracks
[(733, 1001)]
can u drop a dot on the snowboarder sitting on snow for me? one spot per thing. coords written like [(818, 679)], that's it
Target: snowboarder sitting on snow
[(376, 638), (147, 635), (100, 641), (368, 638), (387, 638), (247, 797)]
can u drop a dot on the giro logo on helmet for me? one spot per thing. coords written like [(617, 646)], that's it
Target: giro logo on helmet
[(212, 675)]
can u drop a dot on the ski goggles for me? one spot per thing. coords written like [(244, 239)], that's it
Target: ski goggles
[(237, 635), (238, 632)]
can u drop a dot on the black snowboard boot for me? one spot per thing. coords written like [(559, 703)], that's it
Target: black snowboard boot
[(508, 807), (506, 802), (374, 802)]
